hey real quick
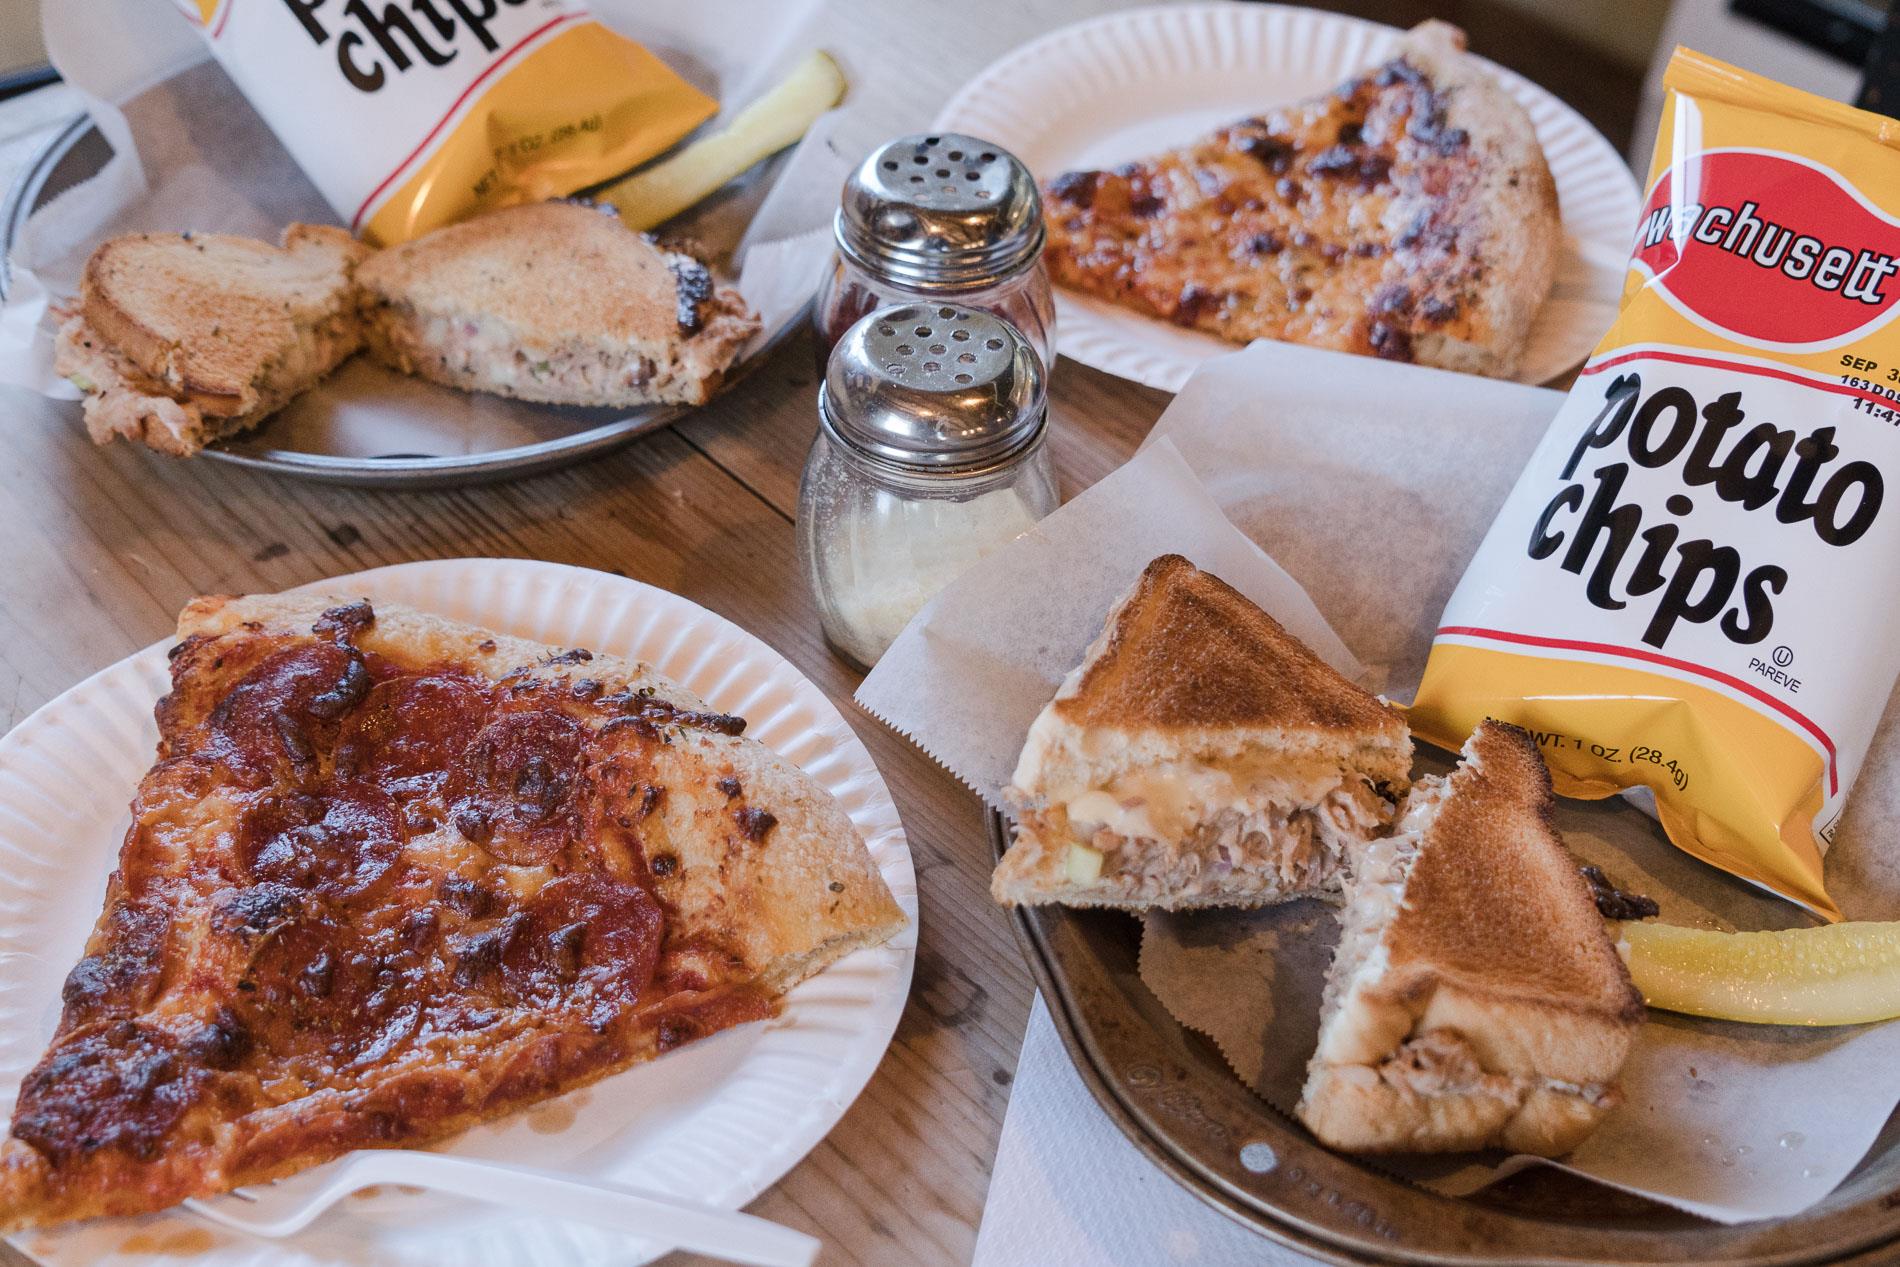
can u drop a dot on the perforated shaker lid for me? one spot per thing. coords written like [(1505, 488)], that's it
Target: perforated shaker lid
[(934, 388), (940, 208)]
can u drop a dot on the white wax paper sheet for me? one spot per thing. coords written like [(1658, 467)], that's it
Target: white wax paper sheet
[(976, 665), (1368, 485), (190, 153)]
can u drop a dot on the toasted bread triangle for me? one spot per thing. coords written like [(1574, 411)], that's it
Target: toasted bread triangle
[(1272, 764), (1495, 903), (554, 302), (1186, 651), (181, 339), (206, 313), (1490, 1008)]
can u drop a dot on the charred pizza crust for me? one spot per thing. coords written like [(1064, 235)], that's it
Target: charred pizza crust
[(1409, 214), (391, 876)]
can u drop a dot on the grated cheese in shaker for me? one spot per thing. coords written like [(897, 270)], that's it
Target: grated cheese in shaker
[(929, 456)]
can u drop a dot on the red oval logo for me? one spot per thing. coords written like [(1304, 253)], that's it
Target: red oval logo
[(1769, 248)]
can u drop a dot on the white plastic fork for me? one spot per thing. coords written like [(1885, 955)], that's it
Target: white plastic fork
[(290, 1205)]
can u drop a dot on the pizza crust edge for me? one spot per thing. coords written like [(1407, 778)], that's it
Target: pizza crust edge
[(1524, 230)]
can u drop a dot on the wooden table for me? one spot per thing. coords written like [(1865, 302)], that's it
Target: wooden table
[(104, 545)]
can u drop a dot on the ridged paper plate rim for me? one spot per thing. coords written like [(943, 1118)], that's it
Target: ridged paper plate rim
[(1167, 53), (719, 1120)]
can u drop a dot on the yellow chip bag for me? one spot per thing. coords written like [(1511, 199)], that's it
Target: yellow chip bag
[(408, 116), (1688, 589)]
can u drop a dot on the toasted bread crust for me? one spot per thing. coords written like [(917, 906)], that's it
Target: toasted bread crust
[(1187, 651), (553, 302), (1512, 918)]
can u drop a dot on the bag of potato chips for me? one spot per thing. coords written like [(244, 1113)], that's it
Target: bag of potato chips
[(1688, 589), (408, 116)]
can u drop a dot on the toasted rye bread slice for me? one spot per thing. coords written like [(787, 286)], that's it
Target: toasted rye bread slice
[(1476, 999), (553, 302), (1188, 674), (183, 339)]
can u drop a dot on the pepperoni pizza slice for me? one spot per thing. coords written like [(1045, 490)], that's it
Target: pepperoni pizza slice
[(391, 876), (1408, 214)]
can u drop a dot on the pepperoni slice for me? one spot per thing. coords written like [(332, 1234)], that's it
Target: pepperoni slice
[(280, 716), (119, 1084), (339, 843), (520, 791), (328, 988), (412, 729), (588, 942)]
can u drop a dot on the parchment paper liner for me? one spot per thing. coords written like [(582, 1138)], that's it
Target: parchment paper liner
[(1370, 484)]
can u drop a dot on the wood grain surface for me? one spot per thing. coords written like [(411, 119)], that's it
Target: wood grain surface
[(102, 546)]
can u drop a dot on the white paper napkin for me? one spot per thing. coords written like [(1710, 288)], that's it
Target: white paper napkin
[(1069, 1190)]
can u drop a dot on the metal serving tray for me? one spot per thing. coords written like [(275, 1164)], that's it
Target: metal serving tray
[(564, 434), (1175, 1099)]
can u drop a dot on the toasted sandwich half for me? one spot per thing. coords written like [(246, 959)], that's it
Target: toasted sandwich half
[(1199, 756), (180, 339), (1476, 999), (556, 302)]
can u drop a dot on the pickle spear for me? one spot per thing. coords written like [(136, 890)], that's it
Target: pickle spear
[(1841, 974), (657, 193)]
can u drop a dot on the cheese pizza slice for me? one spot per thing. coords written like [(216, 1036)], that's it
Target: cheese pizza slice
[(1407, 214), (391, 876)]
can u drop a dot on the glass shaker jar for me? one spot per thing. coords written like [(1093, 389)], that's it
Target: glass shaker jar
[(930, 454), (939, 218)]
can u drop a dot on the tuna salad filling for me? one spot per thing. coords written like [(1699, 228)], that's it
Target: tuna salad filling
[(488, 354), (1266, 843), (1440, 1062), (122, 400), (1374, 888)]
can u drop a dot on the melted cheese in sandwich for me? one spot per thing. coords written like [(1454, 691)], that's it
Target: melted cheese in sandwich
[(1167, 801)]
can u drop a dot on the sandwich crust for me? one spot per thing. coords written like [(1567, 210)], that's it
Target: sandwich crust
[(1521, 880), (554, 302), (1493, 1009)]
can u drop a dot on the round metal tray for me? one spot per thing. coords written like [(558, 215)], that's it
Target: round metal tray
[(78, 152), (1172, 1095)]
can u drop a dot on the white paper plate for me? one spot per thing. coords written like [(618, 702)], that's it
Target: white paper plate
[(1121, 87), (718, 1120)]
